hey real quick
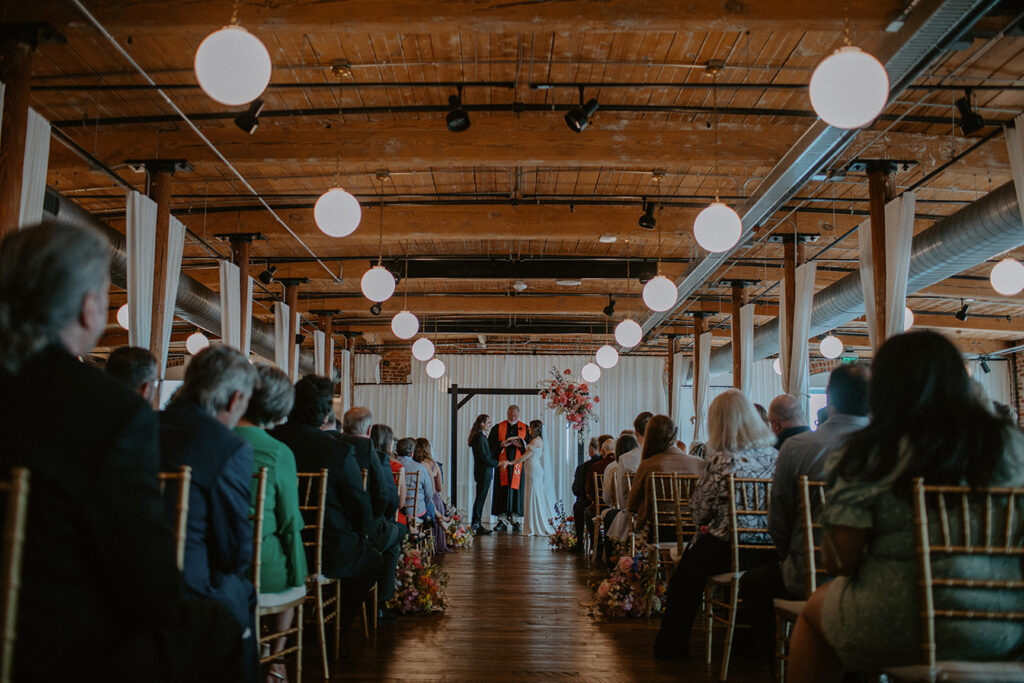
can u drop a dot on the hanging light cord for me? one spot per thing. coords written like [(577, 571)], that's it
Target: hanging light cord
[(177, 110)]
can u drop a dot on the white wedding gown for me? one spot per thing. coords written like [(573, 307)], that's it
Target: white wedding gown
[(539, 504)]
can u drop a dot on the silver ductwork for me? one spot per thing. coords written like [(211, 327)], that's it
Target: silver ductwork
[(982, 230), (195, 303)]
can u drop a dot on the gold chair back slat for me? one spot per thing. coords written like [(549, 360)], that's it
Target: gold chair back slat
[(16, 511), (312, 505), (412, 484), (812, 502), (748, 502), (183, 477), (257, 527)]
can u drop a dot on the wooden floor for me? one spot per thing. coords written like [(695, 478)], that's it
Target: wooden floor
[(518, 612)]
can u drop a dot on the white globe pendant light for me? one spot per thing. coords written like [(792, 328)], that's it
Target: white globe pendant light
[(849, 88), (628, 333), (405, 325), (908, 318), (831, 346), (607, 356), (435, 368), (1007, 277), (717, 228), (777, 366), (590, 372), (337, 213), (122, 316), (196, 342), (232, 66), (423, 349), (378, 284), (660, 293)]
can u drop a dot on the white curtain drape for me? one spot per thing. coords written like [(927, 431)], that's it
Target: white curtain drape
[(345, 383), (319, 341), (296, 325), (700, 386), (33, 175), (794, 352), (1015, 147), (282, 335), (230, 305), (140, 244), (997, 382), (368, 368), (329, 370), (175, 247), (746, 323), (899, 234), (247, 318), (682, 365)]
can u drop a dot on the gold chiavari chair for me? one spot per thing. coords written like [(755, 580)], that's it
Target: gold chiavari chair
[(748, 516), (371, 596), (182, 479), (16, 509), (264, 640), (671, 524), (624, 496), (312, 504), (598, 520)]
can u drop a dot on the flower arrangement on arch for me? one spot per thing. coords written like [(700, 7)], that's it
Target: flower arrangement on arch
[(564, 537), (633, 583), (420, 585), (570, 397)]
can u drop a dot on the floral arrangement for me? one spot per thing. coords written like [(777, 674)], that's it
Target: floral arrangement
[(571, 398), (633, 582), (458, 533), (564, 537), (420, 585)]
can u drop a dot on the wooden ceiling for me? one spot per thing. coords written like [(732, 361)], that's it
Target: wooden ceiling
[(519, 184)]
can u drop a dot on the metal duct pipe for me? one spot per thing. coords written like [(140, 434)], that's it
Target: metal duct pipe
[(195, 303), (986, 228)]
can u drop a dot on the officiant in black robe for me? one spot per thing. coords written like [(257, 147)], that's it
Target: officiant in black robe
[(508, 442)]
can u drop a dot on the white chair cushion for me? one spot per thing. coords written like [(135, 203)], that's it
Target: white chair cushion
[(789, 608), (282, 598)]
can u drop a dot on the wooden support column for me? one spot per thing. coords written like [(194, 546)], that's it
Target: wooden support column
[(291, 297), (671, 375), (160, 182), (327, 323), (880, 191), (351, 371), (739, 299), (16, 73)]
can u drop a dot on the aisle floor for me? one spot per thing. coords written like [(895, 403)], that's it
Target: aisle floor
[(518, 611)]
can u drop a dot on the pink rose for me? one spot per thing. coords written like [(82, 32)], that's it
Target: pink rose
[(597, 399), (567, 371), (625, 564)]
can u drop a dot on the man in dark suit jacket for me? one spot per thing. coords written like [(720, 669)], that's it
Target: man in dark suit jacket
[(579, 489), (195, 430), (101, 597), (348, 553)]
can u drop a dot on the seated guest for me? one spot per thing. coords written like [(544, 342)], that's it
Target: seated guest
[(282, 557), (762, 412), (802, 455), (786, 418), (739, 443), (101, 597), (195, 430), (579, 489), (423, 509), (383, 438), (629, 462), (607, 449), (349, 553), (613, 502), (136, 367), (659, 455), (925, 422), (422, 454), (698, 450)]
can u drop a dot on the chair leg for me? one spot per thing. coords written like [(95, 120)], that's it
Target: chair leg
[(373, 604), (337, 620), (782, 631), (734, 598), (298, 642), (321, 632), (709, 620)]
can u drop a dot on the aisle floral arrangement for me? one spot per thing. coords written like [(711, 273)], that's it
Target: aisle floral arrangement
[(458, 533), (632, 584), (570, 398), (420, 585), (564, 537)]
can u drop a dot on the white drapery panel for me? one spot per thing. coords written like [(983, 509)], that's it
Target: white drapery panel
[(899, 234), (247, 318), (746, 347), (368, 368), (33, 174), (423, 408), (230, 305), (682, 365), (345, 382), (140, 243), (998, 382), (330, 358), (175, 247), (700, 386), (319, 341), (282, 335), (1015, 147), (765, 383), (794, 352)]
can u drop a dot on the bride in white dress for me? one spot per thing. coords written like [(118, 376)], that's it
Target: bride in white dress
[(538, 503)]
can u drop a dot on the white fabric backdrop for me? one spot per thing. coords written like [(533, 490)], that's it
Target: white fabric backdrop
[(367, 368), (140, 243), (282, 318), (175, 247), (422, 408), (33, 174), (899, 235), (319, 340), (794, 352), (764, 386), (230, 305), (701, 399), (998, 383)]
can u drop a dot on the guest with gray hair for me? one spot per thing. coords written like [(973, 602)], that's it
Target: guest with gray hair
[(195, 430), (786, 418), (136, 367), (99, 582)]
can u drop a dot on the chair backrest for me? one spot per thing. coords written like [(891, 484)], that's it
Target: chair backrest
[(624, 495), (16, 509), (598, 491), (748, 516), (955, 522), (812, 502), (365, 472), (313, 506), (412, 485), (182, 479), (663, 500), (257, 525), (686, 484)]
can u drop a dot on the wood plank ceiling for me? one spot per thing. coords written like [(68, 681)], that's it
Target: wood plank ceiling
[(519, 184)]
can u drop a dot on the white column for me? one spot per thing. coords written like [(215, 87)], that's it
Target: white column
[(33, 174), (230, 305), (140, 244), (282, 318)]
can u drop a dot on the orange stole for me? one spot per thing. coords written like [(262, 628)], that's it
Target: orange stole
[(517, 469)]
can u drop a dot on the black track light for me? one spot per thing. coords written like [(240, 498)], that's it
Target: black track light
[(458, 118), (983, 362), (267, 276), (578, 118), (376, 309), (647, 220), (970, 120), (961, 315), (248, 121), (609, 310)]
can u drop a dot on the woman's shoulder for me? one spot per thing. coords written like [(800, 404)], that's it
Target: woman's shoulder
[(1010, 469)]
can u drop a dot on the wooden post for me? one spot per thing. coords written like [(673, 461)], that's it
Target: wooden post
[(671, 374), (454, 475), (160, 181), (879, 193), (352, 371), (16, 73), (241, 248), (327, 323), (700, 326), (739, 298), (291, 297)]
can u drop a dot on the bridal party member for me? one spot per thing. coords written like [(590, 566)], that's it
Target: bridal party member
[(483, 468), (508, 441)]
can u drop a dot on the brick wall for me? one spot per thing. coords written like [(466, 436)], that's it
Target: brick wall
[(395, 366), (824, 365), (1017, 368)]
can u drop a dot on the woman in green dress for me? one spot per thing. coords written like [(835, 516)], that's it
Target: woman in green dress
[(282, 559)]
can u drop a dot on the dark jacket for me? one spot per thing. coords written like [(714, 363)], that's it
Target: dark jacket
[(348, 552), (218, 550), (385, 531), (482, 458), (579, 478)]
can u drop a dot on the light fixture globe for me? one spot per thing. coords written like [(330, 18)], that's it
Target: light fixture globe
[(337, 213), (660, 293), (908, 318), (628, 333), (1007, 277), (122, 316), (405, 325), (232, 66), (196, 342), (717, 228), (831, 346), (378, 284), (435, 368), (423, 349), (777, 366), (849, 88), (590, 372), (607, 356)]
